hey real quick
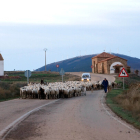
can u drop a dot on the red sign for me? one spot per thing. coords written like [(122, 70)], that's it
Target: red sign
[(92, 66), (57, 66), (123, 73)]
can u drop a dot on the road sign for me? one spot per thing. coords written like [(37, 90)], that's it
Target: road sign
[(62, 72), (27, 73), (57, 66), (92, 66), (123, 73)]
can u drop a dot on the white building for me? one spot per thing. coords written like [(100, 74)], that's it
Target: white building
[(1, 66)]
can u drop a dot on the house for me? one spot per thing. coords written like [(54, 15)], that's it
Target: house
[(105, 62), (1, 66)]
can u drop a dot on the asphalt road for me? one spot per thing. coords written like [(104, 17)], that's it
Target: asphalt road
[(12, 110), (79, 118), (97, 77)]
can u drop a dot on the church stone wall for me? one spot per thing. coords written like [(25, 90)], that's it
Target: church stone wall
[(94, 64), (99, 67), (104, 66)]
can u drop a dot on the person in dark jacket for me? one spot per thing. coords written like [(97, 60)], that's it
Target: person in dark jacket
[(105, 85), (42, 81)]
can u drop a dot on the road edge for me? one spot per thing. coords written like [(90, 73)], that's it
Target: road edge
[(114, 116), (10, 127)]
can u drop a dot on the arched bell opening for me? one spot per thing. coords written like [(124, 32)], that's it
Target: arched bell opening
[(116, 67)]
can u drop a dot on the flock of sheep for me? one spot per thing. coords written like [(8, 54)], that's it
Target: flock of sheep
[(60, 90)]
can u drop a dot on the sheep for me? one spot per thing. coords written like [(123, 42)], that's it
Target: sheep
[(29, 92), (35, 92), (59, 89), (56, 93), (47, 93), (22, 93), (83, 91), (114, 85), (41, 92), (66, 92), (52, 93)]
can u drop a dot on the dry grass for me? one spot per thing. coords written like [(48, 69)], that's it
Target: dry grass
[(130, 99), (4, 92), (9, 91), (73, 78)]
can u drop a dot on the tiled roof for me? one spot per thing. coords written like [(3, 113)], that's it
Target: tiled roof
[(104, 54), (1, 58), (111, 58), (107, 59), (118, 65)]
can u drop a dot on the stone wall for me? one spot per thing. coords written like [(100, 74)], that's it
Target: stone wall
[(94, 69), (100, 68), (104, 67)]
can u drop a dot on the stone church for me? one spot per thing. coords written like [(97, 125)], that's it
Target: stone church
[(105, 62), (1, 66)]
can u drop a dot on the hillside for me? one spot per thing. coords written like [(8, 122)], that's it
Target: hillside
[(84, 63)]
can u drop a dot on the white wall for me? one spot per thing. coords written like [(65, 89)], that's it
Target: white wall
[(1, 68)]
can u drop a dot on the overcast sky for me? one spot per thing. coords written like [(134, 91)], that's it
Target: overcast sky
[(67, 28)]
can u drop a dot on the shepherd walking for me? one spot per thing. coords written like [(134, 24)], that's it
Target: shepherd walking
[(105, 84)]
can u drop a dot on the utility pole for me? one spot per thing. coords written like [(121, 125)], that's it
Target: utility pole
[(45, 58), (118, 50)]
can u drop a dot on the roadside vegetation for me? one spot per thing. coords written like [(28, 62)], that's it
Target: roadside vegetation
[(10, 85), (126, 103)]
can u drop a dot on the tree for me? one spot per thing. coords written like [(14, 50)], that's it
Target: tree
[(137, 72), (128, 70)]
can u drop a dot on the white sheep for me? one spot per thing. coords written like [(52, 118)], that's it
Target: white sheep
[(59, 89)]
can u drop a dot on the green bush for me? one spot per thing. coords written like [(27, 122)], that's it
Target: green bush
[(128, 70)]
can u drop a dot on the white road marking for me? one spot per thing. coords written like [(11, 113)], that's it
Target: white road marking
[(121, 122), (10, 127)]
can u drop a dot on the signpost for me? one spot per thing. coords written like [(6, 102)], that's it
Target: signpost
[(92, 66), (62, 72), (123, 74), (27, 74), (57, 67)]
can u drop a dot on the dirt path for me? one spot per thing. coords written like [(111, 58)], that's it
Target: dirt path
[(80, 118)]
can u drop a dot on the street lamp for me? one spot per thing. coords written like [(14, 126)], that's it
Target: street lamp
[(45, 57)]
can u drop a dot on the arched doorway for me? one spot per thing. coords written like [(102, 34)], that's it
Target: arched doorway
[(116, 67)]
